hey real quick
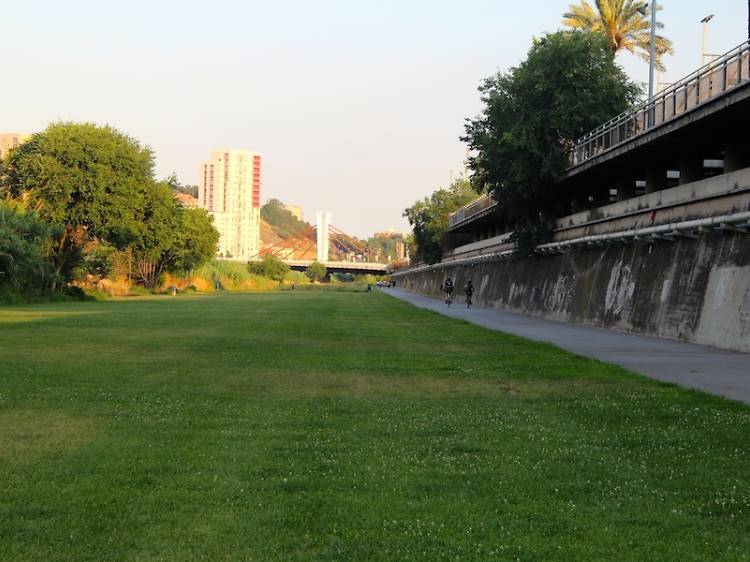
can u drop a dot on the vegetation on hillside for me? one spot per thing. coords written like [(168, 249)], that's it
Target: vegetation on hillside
[(285, 224), (191, 190)]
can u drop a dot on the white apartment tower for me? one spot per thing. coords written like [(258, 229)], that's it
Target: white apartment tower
[(229, 189)]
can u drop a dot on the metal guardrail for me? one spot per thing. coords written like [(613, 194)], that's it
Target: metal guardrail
[(706, 83), (471, 210)]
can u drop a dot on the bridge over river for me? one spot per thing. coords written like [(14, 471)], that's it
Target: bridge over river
[(354, 267), (322, 237)]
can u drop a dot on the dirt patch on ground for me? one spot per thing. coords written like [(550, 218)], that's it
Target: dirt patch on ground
[(378, 385), (27, 434)]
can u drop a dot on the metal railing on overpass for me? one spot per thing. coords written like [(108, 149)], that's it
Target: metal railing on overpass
[(472, 210), (708, 82)]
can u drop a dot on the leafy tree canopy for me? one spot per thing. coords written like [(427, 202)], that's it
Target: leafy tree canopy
[(171, 239), (82, 176), (429, 219), (568, 85), (316, 271), (270, 266), (195, 241)]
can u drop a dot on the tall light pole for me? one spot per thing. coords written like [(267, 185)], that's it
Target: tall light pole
[(652, 46), (652, 53), (705, 21)]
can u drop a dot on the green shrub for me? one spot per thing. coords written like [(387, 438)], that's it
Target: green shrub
[(25, 242)]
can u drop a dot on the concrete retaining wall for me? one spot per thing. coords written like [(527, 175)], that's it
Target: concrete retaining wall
[(693, 289)]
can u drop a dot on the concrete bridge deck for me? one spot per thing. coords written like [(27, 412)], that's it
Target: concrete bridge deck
[(342, 266), (716, 371)]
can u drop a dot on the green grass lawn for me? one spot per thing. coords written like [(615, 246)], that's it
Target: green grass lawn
[(346, 426)]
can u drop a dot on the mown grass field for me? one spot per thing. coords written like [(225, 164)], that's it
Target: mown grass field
[(346, 426)]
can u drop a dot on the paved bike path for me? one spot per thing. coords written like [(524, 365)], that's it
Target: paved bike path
[(717, 371)]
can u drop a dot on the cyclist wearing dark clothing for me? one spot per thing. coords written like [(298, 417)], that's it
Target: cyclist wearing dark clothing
[(448, 288), (469, 291)]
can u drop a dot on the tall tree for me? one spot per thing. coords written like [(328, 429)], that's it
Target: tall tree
[(568, 84), (625, 23), (196, 241), (171, 239), (429, 219), (86, 180)]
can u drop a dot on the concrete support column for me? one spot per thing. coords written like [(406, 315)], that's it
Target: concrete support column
[(736, 157), (625, 189), (656, 179), (691, 169)]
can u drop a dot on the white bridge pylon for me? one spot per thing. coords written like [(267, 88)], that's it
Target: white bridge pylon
[(323, 223)]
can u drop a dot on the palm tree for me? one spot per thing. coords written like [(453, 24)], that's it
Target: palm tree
[(626, 23)]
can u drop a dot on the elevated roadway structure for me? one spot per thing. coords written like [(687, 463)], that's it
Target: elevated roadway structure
[(653, 236), (694, 129), (675, 166)]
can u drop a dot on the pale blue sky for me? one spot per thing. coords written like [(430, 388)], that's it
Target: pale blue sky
[(357, 106)]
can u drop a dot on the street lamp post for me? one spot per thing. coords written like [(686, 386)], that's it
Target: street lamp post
[(652, 53), (705, 21), (652, 46)]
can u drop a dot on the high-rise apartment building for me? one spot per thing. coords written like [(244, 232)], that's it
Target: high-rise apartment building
[(229, 189), (10, 140)]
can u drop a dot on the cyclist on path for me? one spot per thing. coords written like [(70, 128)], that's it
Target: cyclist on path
[(468, 291), (448, 288)]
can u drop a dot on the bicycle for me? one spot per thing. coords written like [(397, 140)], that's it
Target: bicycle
[(448, 298)]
